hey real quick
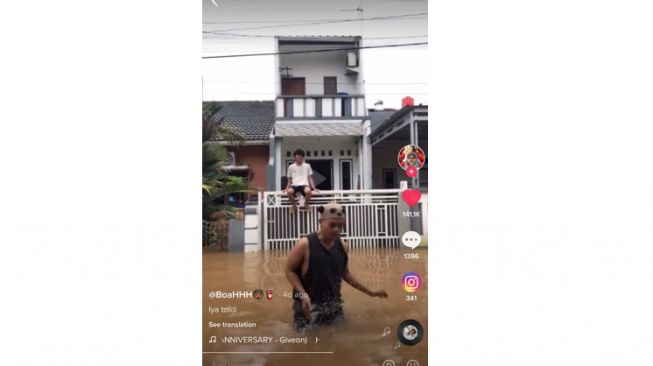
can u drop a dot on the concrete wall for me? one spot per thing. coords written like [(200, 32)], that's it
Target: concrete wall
[(315, 66), (424, 201), (256, 157), (253, 232)]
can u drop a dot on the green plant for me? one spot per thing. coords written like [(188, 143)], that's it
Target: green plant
[(217, 184)]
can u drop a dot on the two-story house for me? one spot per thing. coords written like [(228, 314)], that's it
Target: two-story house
[(320, 108)]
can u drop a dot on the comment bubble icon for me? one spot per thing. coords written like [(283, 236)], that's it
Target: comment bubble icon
[(411, 239)]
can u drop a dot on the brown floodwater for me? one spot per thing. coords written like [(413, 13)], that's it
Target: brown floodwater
[(360, 340)]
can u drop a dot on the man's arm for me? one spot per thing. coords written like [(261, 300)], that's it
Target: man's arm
[(350, 279), (289, 183), (293, 266)]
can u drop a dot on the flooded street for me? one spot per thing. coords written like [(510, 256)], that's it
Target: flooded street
[(360, 340)]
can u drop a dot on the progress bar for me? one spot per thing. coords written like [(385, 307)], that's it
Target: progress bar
[(331, 352)]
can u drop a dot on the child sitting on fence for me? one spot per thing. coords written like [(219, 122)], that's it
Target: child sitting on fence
[(300, 180)]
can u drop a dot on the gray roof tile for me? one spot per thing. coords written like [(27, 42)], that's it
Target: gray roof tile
[(253, 120)]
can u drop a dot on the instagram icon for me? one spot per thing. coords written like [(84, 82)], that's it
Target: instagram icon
[(411, 281)]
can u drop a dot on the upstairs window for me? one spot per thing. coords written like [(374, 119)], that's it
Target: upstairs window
[(293, 86)]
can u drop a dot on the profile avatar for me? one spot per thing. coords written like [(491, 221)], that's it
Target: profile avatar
[(411, 156), (410, 332)]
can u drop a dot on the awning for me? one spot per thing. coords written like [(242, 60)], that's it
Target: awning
[(318, 128)]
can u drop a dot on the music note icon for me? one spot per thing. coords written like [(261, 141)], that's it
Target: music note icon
[(386, 331), (213, 339), (397, 345)]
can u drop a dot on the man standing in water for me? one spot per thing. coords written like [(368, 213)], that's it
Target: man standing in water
[(315, 268), (300, 180)]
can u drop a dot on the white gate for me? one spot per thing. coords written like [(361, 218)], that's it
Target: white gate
[(372, 218)]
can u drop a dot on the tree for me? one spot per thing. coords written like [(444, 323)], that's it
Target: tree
[(216, 181)]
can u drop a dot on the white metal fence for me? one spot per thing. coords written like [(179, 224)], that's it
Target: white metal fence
[(371, 218)]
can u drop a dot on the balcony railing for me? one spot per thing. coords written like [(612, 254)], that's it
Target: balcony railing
[(321, 106)]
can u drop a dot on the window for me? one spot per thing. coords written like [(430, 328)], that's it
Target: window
[(345, 174), (330, 85), (389, 178), (293, 86)]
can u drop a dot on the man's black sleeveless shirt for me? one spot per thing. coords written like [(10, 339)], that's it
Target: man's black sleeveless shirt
[(326, 267)]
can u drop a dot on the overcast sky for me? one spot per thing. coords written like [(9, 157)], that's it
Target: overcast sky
[(390, 74)]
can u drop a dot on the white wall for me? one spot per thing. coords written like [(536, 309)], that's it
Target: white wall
[(315, 66), (366, 153), (425, 213)]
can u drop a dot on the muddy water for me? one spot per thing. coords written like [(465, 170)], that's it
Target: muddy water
[(358, 341)]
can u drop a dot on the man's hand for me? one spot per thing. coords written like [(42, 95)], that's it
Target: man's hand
[(378, 293), (306, 305)]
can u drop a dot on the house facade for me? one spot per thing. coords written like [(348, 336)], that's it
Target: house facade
[(253, 121), (320, 108), (392, 130)]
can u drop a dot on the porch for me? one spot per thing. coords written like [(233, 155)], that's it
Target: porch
[(407, 126), (338, 162)]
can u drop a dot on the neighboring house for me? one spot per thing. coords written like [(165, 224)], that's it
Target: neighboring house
[(253, 121), (390, 132), (320, 108)]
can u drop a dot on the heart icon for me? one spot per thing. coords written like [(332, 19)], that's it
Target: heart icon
[(411, 171), (411, 196)]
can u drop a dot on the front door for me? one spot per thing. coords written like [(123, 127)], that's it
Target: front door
[(322, 173)]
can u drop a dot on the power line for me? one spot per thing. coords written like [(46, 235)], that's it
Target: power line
[(318, 51), (269, 36), (313, 10), (324, 22), (317, 83), (237, 35), (300, 96), (269, 21)]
